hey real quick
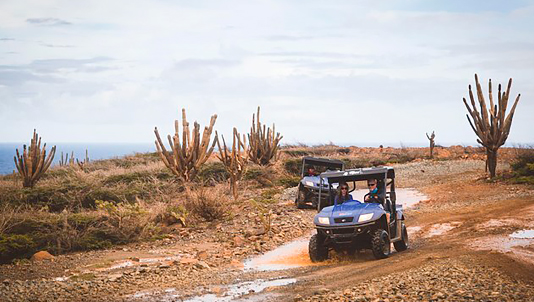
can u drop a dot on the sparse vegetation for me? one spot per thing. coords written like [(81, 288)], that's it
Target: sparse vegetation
[(523, 167), (208, 204)]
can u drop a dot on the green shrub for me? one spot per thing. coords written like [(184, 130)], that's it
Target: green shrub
[(523, 164), (213, 171), (293, 166), (289, 181), (264, 176), (14, 245), (523, 167)]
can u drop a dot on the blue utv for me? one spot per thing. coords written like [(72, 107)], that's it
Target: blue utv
[(309, 187), (354, 225)]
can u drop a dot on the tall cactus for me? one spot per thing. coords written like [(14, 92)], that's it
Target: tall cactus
[(234, 160), (187, 156), (263, 142), (432, 143), (491, 126), (33, 162)]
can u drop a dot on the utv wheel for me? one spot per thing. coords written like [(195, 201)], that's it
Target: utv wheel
[(380, 244), (301, 200), (318, 252), (402, 244)]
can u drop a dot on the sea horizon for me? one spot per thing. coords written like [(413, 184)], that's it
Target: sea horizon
[(107, 150)]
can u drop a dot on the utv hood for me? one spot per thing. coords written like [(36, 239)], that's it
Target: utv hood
[(350, 209)]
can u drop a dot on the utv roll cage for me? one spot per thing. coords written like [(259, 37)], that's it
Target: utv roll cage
[(385, 177), (307, 161)]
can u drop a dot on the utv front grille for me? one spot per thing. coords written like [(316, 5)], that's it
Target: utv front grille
[(343, 231), (343, 219)]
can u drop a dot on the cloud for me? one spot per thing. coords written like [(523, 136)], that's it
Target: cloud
[(55, 45), (7, 39), (76, 65), (289, 38), (49, 71), (47, 21), (313, 54)]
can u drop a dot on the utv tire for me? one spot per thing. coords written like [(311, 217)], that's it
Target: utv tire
[(318, 252), (402, 244), (301, 199), (380, 244)]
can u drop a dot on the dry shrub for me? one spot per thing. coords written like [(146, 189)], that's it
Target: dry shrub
[(209, 204)]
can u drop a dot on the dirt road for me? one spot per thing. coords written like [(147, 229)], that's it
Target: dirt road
[(461, 249)]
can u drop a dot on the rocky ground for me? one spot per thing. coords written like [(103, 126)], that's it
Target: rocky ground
[(436, 280), (440, 265)]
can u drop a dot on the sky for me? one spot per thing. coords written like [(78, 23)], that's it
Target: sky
[(342, 72)]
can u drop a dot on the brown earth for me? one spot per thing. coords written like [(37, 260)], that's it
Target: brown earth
[(472, 258)]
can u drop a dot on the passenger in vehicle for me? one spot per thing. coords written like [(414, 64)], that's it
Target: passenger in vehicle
[(343, 194), (372, 196), (311, 171)]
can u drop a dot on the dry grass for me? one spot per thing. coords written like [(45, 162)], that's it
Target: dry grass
[(209, 204)]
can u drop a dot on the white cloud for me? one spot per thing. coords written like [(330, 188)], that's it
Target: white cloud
[(338, 71)]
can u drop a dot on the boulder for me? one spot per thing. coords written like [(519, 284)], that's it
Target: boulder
[(42, 255)]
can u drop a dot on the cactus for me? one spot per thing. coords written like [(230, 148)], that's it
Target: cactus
[(82, 164), (33, 162), (491, 126), (234, 160), (65, 160), (432, 143), (188, 155), (263, 142)]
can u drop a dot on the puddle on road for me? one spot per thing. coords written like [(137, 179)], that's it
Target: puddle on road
[(440, 229), (295, 253), (234, 292), (290, 255), (518, 244), (523, 234)]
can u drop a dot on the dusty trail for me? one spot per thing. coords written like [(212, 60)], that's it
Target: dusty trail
[(460, 250)]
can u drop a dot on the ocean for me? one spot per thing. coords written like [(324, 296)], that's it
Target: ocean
[(95, 150)]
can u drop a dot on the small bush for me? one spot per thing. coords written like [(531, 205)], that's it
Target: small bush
[(209, 204), (12, 246), (264, 176), (213, 172), (293, 166), (523, 167), (289, 181)]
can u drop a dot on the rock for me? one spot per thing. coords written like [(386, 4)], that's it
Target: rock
[(42, 255), (202, 255), (188, 261), (217, 290), (237, 264), (114, 277), (135, 259), (202, 265), (238, 241)]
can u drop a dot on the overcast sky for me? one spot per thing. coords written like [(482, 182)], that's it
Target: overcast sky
[(347, 72)]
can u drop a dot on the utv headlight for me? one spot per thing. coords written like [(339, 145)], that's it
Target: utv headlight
[(310, 184), (324, 220), (365, 217)]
